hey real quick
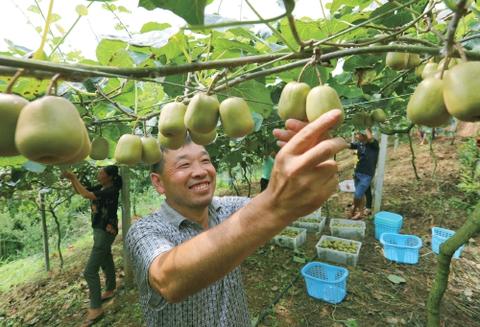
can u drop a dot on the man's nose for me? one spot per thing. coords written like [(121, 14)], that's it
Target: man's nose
[(198, 170)]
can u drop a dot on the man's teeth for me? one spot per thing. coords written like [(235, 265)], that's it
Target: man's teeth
[(200, 187)]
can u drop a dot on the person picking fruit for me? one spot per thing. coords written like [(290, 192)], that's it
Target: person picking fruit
[(104, 205), (367, 151), (186, 256)]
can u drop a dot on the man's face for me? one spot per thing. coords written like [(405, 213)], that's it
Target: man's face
[(188, 177)]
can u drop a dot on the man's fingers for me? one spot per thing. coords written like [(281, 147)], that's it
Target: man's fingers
[(323, 151), (295, 125), (283, 135), (309, 135)]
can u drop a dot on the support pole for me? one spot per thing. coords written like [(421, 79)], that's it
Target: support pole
[(382, 157), (126, 222), (44, 230)]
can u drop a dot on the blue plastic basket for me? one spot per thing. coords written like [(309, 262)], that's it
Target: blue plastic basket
[(380, 229), (325, 282), (401, 248), (388, 219), (440, 235), (387, 222)]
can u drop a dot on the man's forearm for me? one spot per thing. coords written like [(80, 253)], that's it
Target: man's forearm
[(208, 257)]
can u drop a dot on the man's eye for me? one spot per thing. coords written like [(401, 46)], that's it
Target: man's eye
[(184, 165), (206, 160)]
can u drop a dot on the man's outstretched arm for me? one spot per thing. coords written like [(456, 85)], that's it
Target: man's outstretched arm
[(300, 167)]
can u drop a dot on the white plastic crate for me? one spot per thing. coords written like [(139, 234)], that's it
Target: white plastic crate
[(311, 223), (346, 228), (291, 242), (337, 255)]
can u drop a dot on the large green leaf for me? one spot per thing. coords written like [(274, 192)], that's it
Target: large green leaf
[(107, 48), (190, 10)]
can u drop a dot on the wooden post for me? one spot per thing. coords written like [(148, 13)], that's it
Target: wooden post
[(126, 222), (44, 230), (382, 157)]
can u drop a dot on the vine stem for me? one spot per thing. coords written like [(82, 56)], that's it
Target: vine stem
[(53, 84), (432, 153), (79, 72), (274, 31), (39, 52), (15, 77), (413, 156)]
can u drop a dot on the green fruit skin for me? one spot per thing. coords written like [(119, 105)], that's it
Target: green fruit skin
[(128, 150), (50, 131), (86, 148), (413, 60), (171, 121), (10, 107), (397, 60), (150, 150), (378, 115), (430, 69), (321, 99), (202, 113), (203, 139), (462, 91), (236, 118), (172, 142), (453, 62), (293, 100), (100, 148), (426, 106)]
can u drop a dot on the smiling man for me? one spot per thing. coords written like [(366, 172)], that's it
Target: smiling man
[(186, 255)]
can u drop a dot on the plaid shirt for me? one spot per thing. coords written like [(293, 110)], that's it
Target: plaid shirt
[(223, 303)]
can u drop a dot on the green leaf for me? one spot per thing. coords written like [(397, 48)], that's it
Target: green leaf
[(396, 279), (154, 26), (107, 48), (351, 323), (190, 10)]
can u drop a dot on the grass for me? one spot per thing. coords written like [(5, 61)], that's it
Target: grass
[(32, 268)]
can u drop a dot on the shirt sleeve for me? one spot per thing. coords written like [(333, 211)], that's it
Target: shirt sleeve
[(145, 243), (354, 145)]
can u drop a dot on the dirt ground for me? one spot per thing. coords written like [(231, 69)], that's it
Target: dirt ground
[(271, 275)]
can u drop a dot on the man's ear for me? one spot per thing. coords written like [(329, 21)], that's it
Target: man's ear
[(157, 182)]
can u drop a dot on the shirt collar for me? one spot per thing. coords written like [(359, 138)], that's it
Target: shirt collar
[(173, 217)]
